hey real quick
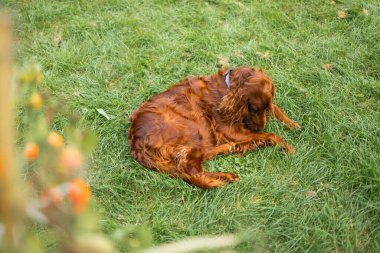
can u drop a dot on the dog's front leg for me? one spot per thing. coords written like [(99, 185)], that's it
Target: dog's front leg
[(227, 148), (281, 116), (258, 140), (270, 139)]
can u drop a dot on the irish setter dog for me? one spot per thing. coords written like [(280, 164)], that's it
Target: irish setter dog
[(174, 132)]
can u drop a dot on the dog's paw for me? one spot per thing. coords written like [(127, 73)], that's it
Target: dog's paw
[(294, 125), (235, 148), (288, 149), (230, 177), (224, 176)]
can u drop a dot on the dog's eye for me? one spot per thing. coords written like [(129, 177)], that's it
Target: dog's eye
[(252, 108)]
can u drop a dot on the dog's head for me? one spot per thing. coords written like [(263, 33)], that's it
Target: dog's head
[(249, 98)]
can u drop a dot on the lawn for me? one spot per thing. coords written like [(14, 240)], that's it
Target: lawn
[(324, 57)]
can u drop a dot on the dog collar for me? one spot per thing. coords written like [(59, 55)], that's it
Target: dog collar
[(227, 78)]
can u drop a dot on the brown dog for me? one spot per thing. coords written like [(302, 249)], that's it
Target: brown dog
[(175, 131)]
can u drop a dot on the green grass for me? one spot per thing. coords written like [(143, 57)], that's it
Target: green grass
[(116, 54)]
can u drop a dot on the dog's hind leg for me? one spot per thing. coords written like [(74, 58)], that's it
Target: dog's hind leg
[(205, 180), (190, 170)]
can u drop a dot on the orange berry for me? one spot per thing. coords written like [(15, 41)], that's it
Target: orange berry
[(79, 195), (55, 140), (31, 151), (52, 194), (35, 101), (71, 159)]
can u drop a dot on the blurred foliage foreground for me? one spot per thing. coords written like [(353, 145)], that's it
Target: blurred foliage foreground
[(48, 199)]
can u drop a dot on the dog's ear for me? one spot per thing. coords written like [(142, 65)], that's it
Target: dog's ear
[(270, 110), (270, 107), (233, 106), (240, 76)]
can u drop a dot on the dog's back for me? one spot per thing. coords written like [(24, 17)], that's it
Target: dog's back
[(168, 126)]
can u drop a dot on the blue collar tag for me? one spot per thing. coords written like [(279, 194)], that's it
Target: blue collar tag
[(227, 80)]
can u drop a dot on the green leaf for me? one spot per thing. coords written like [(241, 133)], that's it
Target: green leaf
[(102, 112)]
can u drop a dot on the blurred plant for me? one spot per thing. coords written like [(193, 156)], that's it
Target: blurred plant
[(54, 165)]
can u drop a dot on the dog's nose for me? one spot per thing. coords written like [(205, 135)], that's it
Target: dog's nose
[(259, 129)]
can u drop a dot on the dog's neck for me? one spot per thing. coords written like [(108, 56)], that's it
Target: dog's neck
[(221, 80)]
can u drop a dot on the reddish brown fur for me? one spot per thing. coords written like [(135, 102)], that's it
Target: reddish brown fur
[(175, 131)]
